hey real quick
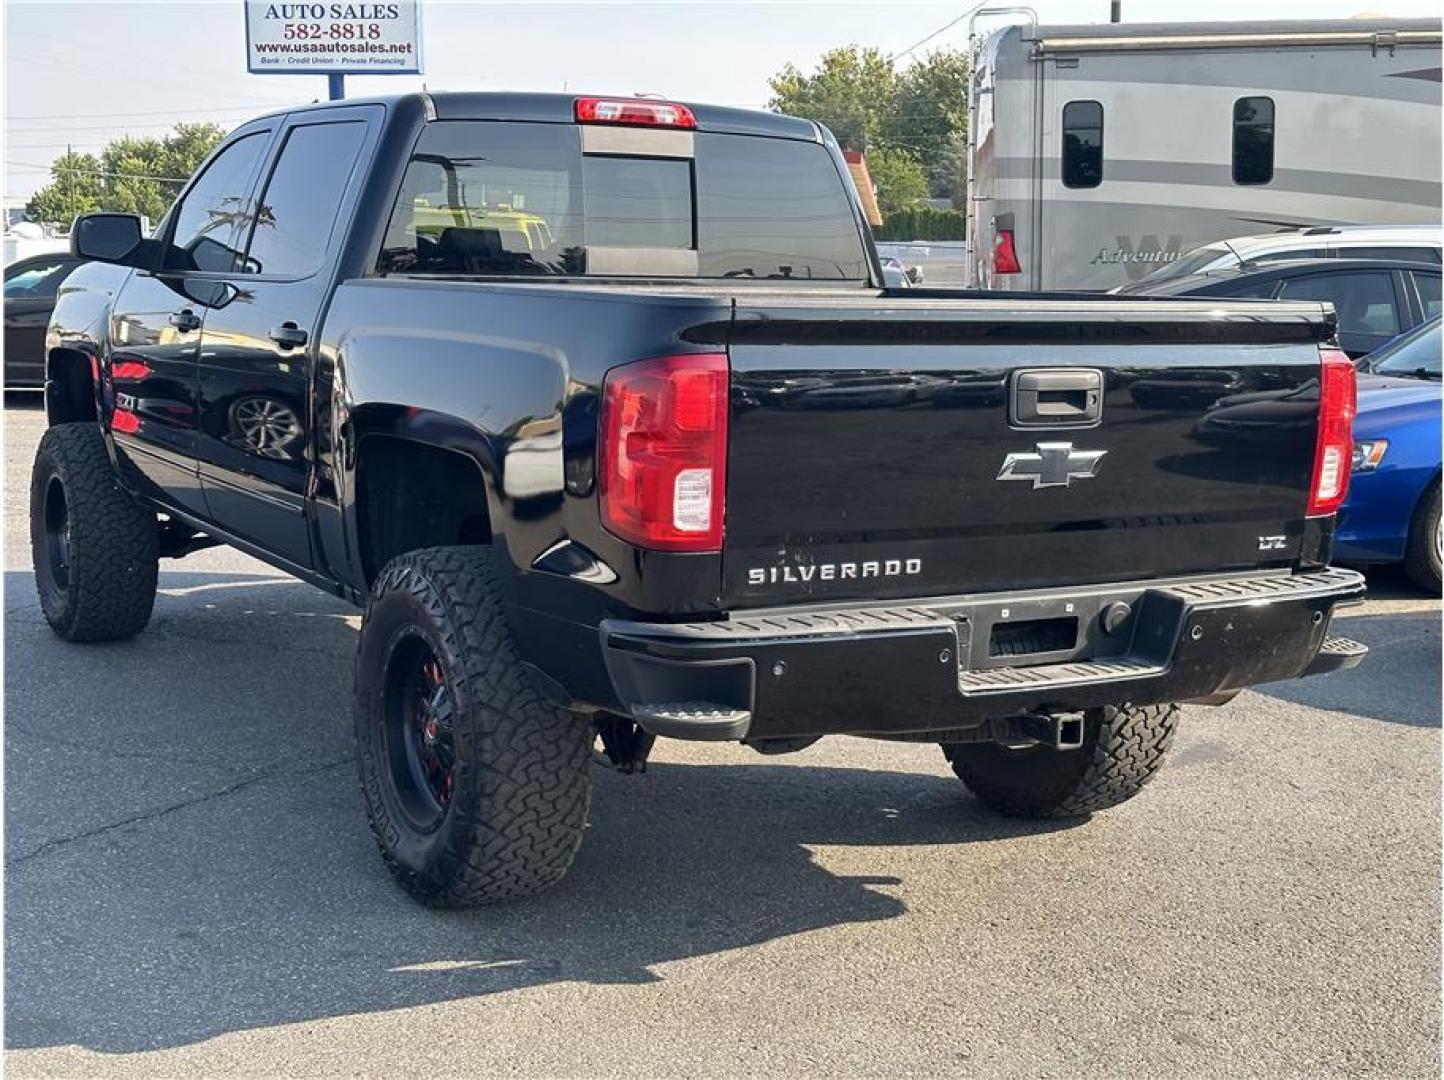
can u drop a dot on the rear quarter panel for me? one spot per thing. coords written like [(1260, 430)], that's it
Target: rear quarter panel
[(510, 376)]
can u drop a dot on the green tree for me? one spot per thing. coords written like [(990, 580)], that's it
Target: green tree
[(136, 175), (929, 117), (920, 111), (899, 177), (850, 92), (75, 188)]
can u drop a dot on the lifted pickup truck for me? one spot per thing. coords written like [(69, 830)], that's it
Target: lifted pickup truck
[(598, 407)]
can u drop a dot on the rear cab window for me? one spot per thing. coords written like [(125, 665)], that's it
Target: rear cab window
[(501, 198)]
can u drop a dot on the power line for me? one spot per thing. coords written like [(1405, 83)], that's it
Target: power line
[(946, 26), (95, 172), (94, 127), (145, 112)]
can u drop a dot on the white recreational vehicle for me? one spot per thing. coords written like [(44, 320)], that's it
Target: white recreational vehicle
[(1100, 153)]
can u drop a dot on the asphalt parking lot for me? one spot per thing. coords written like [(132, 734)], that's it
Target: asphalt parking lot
[(191, 888)]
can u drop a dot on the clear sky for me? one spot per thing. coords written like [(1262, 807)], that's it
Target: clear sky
[(82, 73)]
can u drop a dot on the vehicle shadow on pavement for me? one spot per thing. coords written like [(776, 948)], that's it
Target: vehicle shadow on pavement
[(1404, 654), (187, 854)]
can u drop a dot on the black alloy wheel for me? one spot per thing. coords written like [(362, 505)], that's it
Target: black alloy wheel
[(55, 545), (420, 731)]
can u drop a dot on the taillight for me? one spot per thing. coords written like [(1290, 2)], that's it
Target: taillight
[(640, 113), (1005, 255), (1334, 446), (663, 455)]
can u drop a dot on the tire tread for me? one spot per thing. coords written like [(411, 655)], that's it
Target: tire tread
[(520, 831), (1421, 562), (114, 550), (1123, 750)]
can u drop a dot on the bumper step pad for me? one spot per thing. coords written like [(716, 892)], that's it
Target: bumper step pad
[(693, 720), (1003, 680), (1338, 654)]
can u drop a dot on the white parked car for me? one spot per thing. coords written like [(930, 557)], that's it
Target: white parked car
[(1420, 243)]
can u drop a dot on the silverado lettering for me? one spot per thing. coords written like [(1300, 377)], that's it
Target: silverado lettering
[(846, 571)]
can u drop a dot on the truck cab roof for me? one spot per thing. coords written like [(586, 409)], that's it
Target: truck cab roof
[(554, 108)]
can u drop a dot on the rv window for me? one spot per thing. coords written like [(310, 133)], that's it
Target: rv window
[(1253, 140), (1082, 144)]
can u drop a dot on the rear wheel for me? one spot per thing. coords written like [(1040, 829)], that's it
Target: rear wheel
[(476, 785), (95, 548), (1123, 748), (1425, 547)]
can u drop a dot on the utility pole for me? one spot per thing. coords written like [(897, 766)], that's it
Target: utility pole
[(70, 165), (336, 84), (1115, 13)]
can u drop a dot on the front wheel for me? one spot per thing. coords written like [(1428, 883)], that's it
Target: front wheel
[(1123, 749), (95, 548), (476, 785)]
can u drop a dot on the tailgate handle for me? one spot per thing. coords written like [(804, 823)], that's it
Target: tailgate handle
[(1056, 397)]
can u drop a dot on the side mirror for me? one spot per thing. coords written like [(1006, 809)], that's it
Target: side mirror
[(112, 238)]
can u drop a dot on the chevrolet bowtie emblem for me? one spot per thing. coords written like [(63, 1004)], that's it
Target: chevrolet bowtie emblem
[(1056, 464)]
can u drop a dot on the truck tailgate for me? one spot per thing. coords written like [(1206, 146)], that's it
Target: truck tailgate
[(890, 447)]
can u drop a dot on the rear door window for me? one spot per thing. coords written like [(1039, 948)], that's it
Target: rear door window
[(1428, 289), (1365, 301), (296, 213)]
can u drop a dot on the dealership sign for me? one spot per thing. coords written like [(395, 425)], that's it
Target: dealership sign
[(333, 38)]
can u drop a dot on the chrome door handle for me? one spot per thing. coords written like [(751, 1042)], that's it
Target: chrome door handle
[(289, 336)]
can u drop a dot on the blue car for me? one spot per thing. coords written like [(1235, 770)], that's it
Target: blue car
[(1392, 513)]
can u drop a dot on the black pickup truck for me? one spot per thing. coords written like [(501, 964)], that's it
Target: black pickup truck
[(599, 408)]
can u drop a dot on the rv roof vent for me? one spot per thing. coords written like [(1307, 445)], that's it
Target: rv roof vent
[(1322, 230)]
